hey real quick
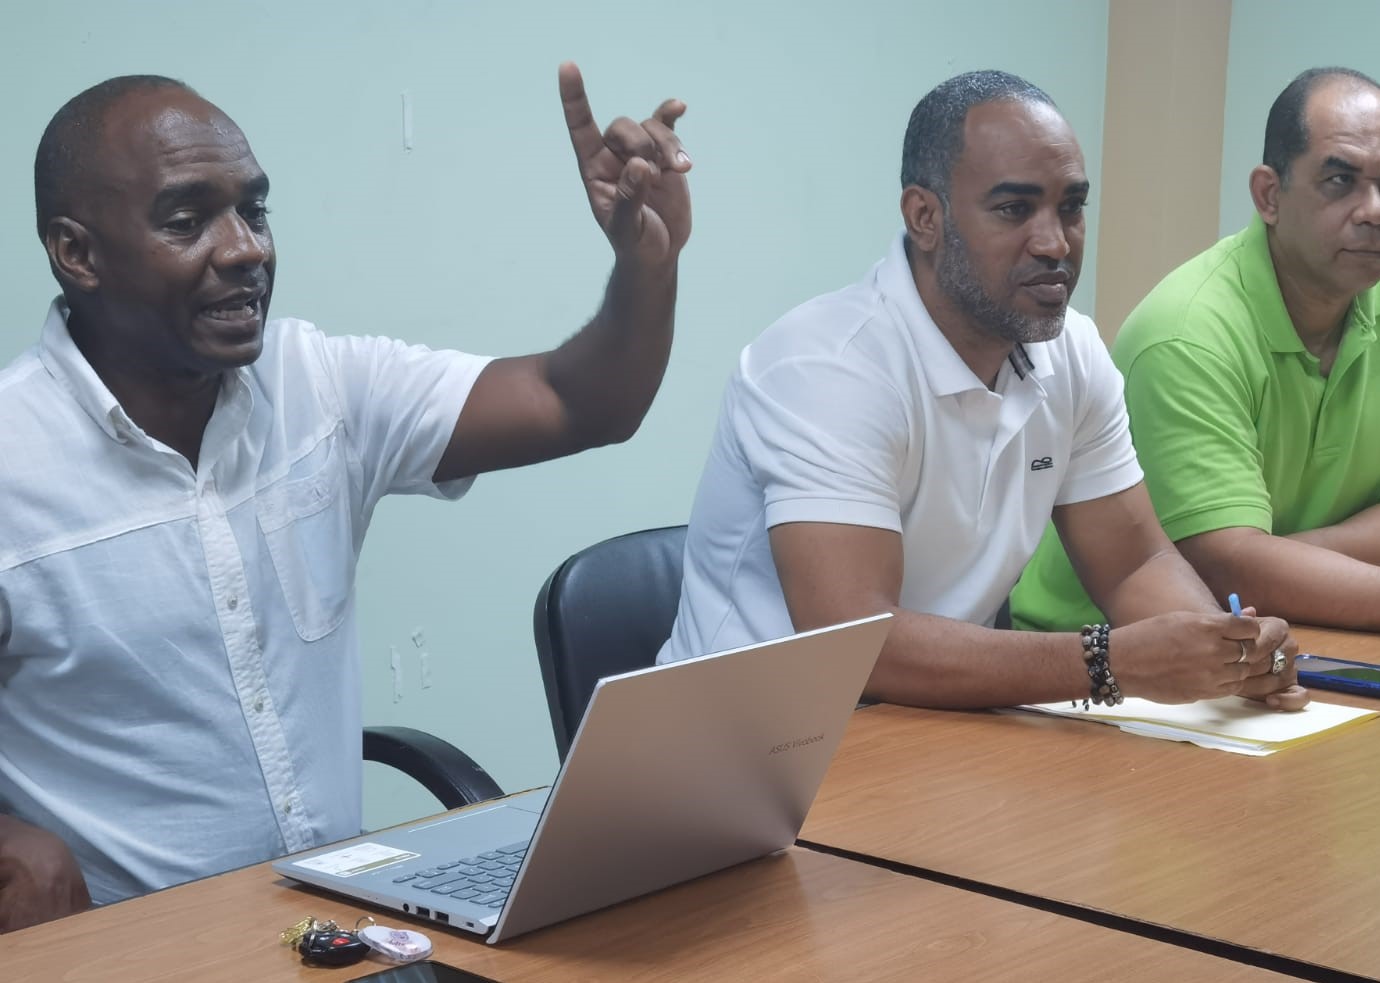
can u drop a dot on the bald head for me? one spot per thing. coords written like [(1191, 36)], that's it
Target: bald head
[(1287, 126), (69, 151)]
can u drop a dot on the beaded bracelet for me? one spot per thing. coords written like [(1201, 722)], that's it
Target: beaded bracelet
[(1103, 689)]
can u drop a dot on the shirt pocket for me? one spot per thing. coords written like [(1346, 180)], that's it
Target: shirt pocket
[(305, 521)]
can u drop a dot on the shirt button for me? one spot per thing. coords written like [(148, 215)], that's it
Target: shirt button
[(287, 809), (259, 706), (233, 603)]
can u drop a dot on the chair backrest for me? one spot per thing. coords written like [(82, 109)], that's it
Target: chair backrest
[(605, 610)]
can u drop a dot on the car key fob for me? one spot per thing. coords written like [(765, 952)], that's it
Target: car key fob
[(332, 946)]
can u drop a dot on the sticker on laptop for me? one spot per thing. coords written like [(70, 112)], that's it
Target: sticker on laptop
[(359, 858)]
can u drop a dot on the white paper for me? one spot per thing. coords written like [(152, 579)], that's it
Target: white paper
[(1232, 723)]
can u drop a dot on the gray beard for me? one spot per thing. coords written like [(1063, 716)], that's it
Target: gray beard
[(956, 279)]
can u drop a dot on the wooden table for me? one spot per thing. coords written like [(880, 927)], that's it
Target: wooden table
[(1334, 643), (1278, 854), (795, 916)]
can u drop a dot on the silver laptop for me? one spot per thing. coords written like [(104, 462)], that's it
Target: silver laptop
[(676, 771)]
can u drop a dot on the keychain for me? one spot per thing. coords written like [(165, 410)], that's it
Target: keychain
[(394, 944), (325, 943)]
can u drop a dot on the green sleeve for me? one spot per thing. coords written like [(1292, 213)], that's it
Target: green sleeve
[(1193, 424)]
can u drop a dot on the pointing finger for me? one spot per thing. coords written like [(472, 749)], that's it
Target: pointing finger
[(579, 119)]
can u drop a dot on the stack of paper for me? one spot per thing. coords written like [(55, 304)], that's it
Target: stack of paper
[(1229, 724)]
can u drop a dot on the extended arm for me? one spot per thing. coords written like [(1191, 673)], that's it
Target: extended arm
[(1315, 577), (596, 387), (832, 573), (1357, 536), (1185, 648)]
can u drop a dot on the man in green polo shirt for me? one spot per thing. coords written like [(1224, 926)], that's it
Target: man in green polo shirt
[(1253, 383)]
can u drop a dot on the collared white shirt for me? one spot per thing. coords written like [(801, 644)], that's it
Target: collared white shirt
[(854, 408), (179, 674)]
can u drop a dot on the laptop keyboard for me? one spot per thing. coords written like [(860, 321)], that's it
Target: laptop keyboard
[(483, 879)]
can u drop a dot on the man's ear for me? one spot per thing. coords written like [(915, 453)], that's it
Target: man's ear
[(1265, 187), (72, 254), (923, 212)]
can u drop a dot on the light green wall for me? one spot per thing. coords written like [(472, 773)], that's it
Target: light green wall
[(479, 238), (1271, 42)]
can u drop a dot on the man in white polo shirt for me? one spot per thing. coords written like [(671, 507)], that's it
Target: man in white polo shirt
[(186, 486), (899, 445)]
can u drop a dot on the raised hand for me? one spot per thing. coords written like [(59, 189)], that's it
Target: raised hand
[(634, 175)]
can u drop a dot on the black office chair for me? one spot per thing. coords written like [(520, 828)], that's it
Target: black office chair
[(442, 768), (605, 610)]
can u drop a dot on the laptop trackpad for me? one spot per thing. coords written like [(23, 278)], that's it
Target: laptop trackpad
[(474, 831)]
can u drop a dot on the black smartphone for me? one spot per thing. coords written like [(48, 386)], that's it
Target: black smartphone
[(425, 971), (1316, 671)]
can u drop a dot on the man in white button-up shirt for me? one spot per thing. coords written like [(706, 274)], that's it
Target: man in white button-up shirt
[(899, 445), (186, 486)]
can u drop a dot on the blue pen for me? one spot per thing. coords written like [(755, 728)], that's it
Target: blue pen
[(1235, 603)]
